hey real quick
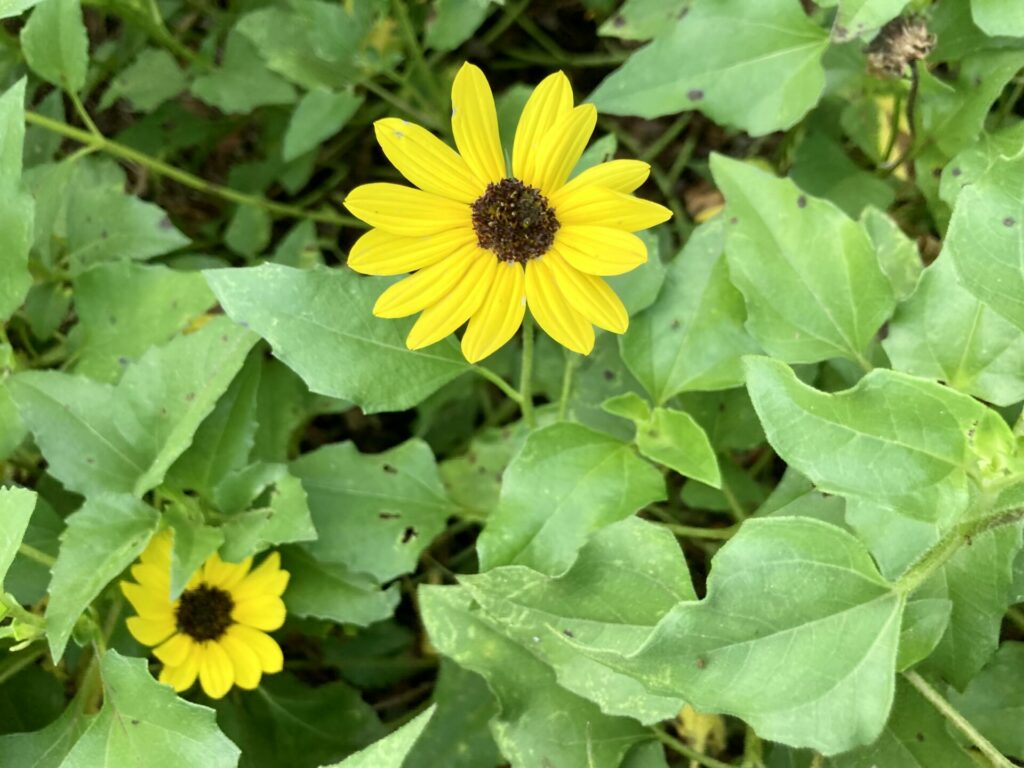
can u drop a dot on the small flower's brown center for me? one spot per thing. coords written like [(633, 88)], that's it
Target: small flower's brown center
[(204, 613), (514, 221)]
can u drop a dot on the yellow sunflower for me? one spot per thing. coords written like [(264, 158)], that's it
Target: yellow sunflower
[(484, 243), (217, 629)]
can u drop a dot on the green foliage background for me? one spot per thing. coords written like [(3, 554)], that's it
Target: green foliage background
[(789, 497)]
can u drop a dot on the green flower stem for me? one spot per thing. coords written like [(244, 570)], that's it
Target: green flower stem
[(572, 360), (676, 745), (948, 545), (958, 720), (101, 143), (413, 44), (702, 533), (497, 381), (526, 377), (36, 554)]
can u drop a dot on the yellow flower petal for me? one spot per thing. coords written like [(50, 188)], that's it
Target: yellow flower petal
[(149, 603), (427, 161), (217, 573), (406, 211), (262, 644), (151, 631), (265, 612), (158, 552), (499, 316), (455, 307), (560, 150), (151, 577), (246, 663), (181, 677), (475, 124), (381, 253), (550, 101), (175, 651), (597, 206), (600, 250), (617, 175), (216, 673), (265, 579), (591, 296), (552, 311), (426, 287)]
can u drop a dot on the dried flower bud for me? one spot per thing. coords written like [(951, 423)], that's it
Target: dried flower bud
[(899, 43)]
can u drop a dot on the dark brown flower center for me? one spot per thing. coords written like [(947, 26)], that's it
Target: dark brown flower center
[(514, 221), (204, 613)]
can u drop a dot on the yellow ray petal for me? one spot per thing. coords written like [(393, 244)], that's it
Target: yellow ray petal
[(552, 311), (499, 316), (427, 161), (600, 250), (151, 577), (381, 253), (406, 211), (217, 573), (560, 150), (617, 175), (455, 307), (265, 612), (265, 579), (597, 206), (475, 124), (175, 651), (247, 669), (216, 673), (550, 101), (426, 287), (158, 552), (591, 296), (148, 603), (150, 631), (183, 676), (262, 644)]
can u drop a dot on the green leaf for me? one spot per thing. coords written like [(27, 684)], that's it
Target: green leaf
[(45, 748), (629, 406), (616, 614), (754, 66), (538, 720), (822, 168), (319, 323), (318, 116), (191, 546), (918, 441), (153, 78), (473, 480), (693, 336), (16, 208), (674, 439), (143, 722), (897, 254), (642, 19), (391, 751), (943, 332), (862, 18), (9, 8), (285, 519), (333, 591), (994, 700), (101, 540), (249, 231), (566, 483), (243, 82), (997, 17), (97, 437), (785, 595), (124, 309), (809, 274), (454, 21), (984, 238), (16, 505), (285, 722), (457, 735), (374, 513), (56, 45), (916, 736), (924, 623)]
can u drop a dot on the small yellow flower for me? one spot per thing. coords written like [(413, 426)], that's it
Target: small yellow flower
[(483, 243), (216, 630)]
